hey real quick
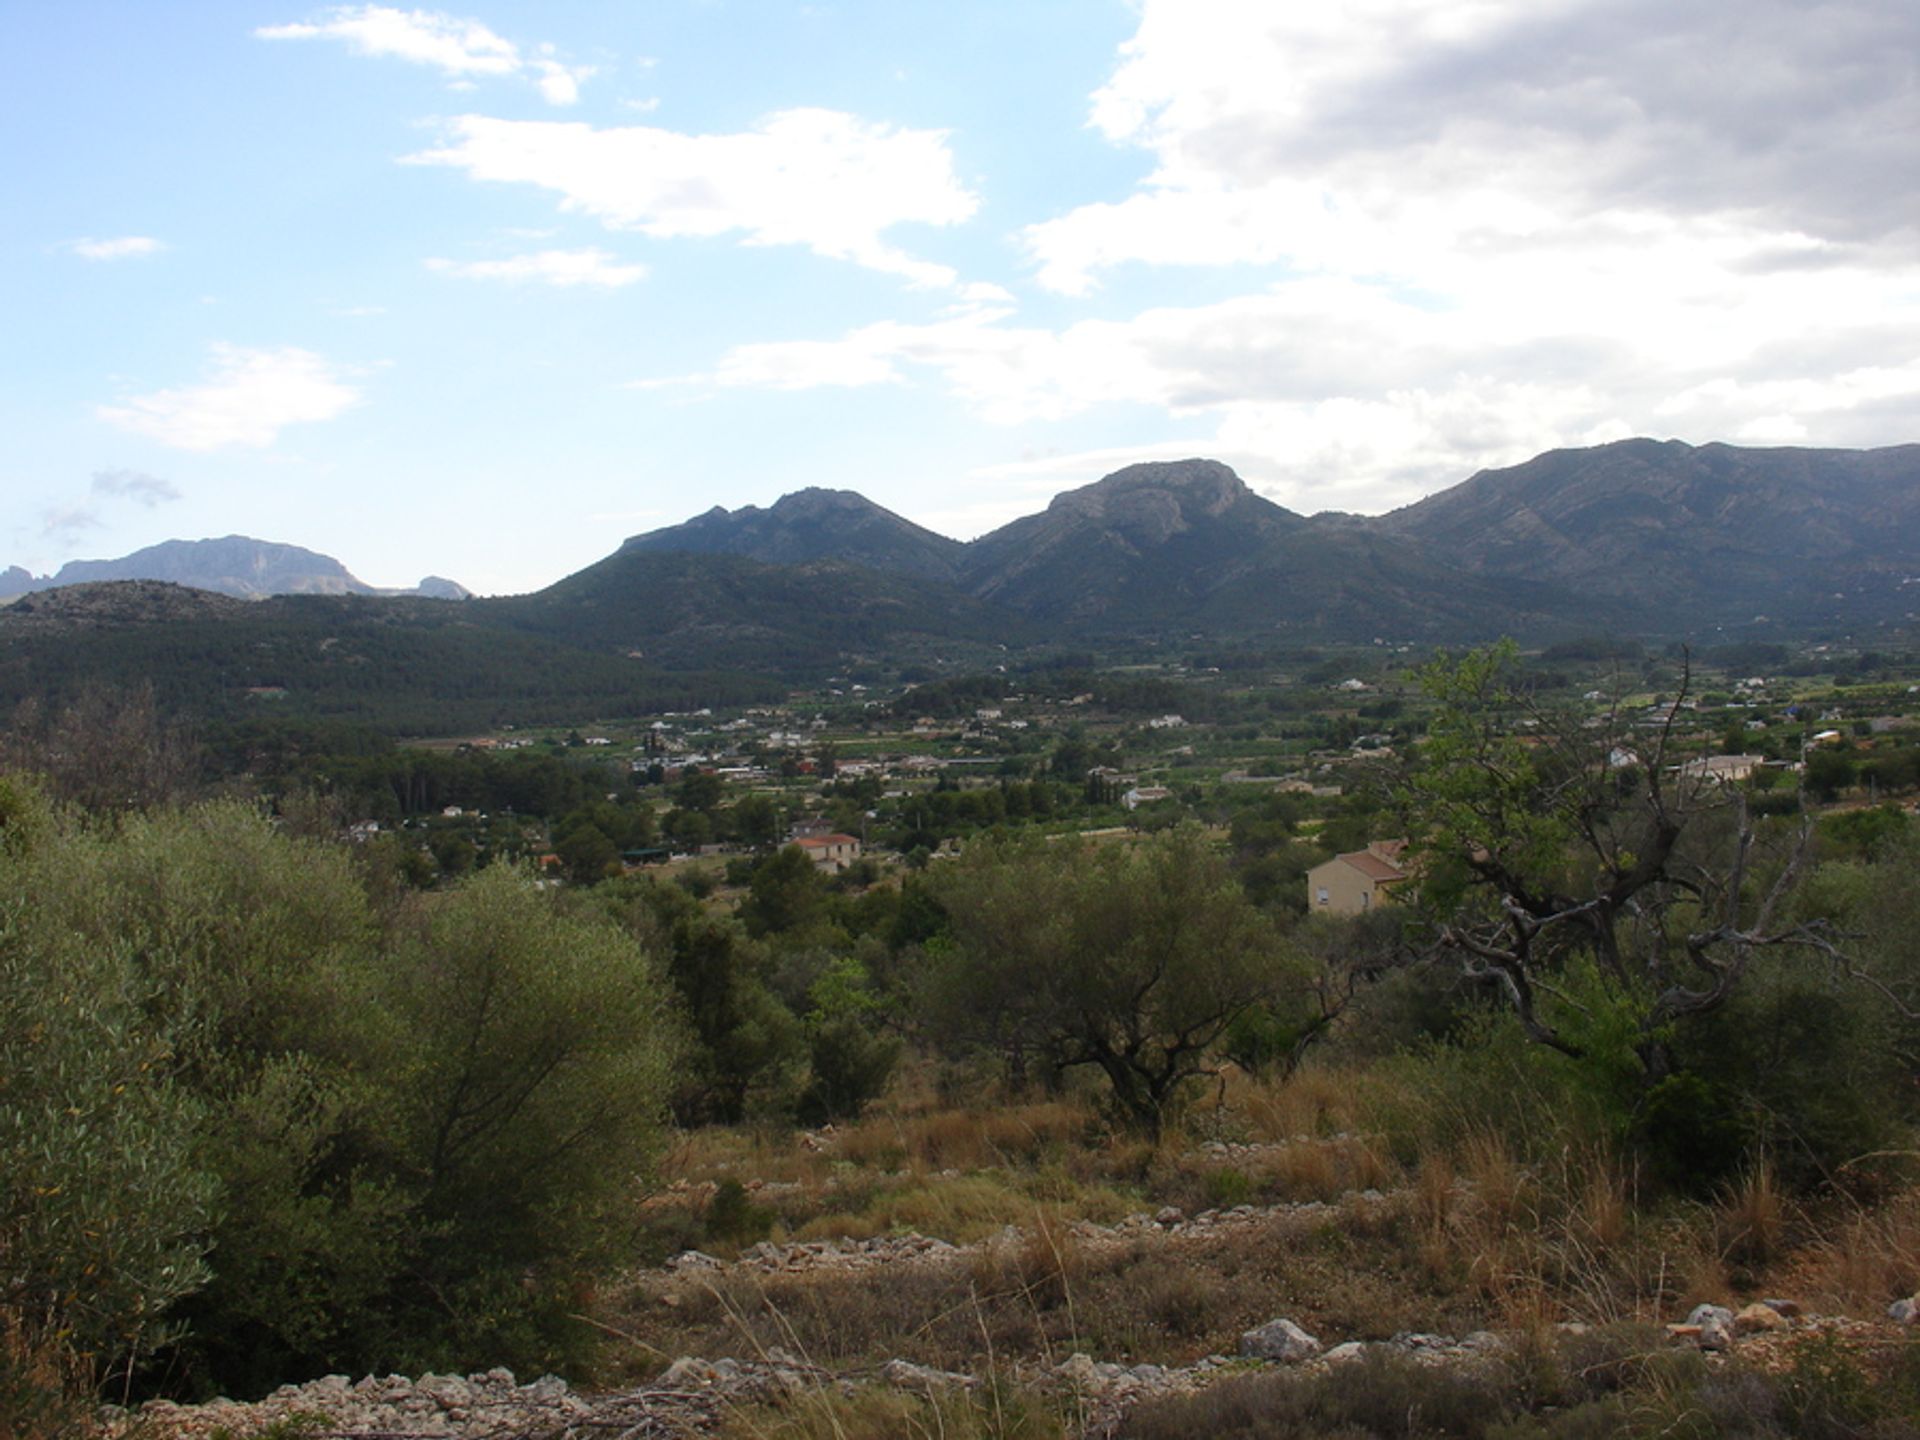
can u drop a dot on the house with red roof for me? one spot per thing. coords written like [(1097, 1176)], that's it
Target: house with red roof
[(830, 852), (1358, 881)]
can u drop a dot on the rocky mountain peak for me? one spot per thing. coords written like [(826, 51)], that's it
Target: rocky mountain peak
[(1194, 487), (818, 500)]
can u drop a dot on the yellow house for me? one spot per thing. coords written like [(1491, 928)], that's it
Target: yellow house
[(1356, 882)]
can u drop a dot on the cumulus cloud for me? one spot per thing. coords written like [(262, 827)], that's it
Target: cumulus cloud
[(1338, 393), (1383, 131), (549, 267), (249, 396), (1473, 232), (148, 490), (122, 247), (460, 49), (821, 179)]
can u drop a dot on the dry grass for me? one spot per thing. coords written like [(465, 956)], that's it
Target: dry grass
[(996, 1411), (968, 1139), (1752, 1217), (1568, 1244), (1315, 1102), (1041, 1268), (1603, 1208), (1866, 1259), (1472, 1234)]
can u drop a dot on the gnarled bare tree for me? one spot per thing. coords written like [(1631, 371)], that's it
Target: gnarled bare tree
[(1547, 837)]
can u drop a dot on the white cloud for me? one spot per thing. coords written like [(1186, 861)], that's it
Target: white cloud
[(68, 521), (149, 490), (550, 267), (123, 247), (459, 49), (1335, 392), (1386, 135), (559, 84), (1481, 231), (248, 398), (822, 179)]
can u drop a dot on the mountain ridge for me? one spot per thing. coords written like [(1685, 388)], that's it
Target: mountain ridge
[(1645, 538), (810, 525), (236, 565)]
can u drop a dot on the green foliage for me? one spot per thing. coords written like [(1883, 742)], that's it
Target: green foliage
[(1865, 834), (1133, 958), (1689, 1131), (1648, 932), (1487, 1078), (735, 1219), (851, 1056), (1479, 787), (417, 667), (1259, 1039), (311, 1134), (586, 853), (1828, 772), (1829, 1396), (102, 1208), (785, 895), (747, 1045)]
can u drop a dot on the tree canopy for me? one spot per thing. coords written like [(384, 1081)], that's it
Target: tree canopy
[(1132, 958)]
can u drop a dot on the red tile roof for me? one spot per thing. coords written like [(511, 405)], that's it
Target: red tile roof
[(1373, 867)]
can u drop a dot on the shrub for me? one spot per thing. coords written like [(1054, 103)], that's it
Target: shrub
[(102, 1207), (733, 1218), (235, 1100), (1390, 1397)]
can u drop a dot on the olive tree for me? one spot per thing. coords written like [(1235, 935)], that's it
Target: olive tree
[(1132, 958), (244, 1107)]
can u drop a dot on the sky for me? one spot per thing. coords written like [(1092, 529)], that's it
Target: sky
[(479, 292)]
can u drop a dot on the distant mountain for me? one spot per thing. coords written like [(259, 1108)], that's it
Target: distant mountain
[(717, 609), (1146, 540), (236, 565), (1645, 536), (1648, 538), (1710, 532), (809, 525), (1178, 545)]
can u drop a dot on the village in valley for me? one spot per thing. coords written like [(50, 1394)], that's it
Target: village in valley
[(897, 774)]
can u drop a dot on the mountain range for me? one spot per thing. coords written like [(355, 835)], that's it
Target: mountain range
[(236, 565), (1644, 538), (1655, 536)]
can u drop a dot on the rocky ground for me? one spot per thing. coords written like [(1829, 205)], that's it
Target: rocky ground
[(693, 1395)]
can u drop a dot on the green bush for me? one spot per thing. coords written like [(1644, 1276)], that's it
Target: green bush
[(733, 1218), (238, 1101), (103, 1210)]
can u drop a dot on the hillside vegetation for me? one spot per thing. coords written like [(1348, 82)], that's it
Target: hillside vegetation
[(1020, 1141)]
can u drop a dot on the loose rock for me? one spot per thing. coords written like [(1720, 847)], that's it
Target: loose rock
[(1279, 1340), (1758, 1318)]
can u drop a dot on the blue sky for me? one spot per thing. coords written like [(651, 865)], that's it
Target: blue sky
[(481, 291)]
